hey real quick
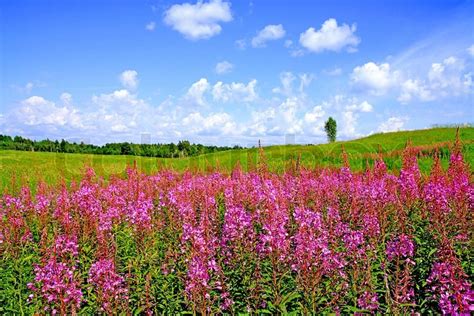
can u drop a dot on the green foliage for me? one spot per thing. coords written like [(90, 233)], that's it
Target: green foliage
[(183, 149), (331, 129)]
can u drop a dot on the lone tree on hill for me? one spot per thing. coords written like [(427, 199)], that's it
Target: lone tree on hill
[(331, 129)]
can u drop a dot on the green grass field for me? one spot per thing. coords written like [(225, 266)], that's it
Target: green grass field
[(18, 168)]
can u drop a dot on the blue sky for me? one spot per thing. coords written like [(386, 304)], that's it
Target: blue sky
[(232, 72)]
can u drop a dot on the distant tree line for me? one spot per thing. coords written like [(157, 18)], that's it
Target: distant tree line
[(182, 149)]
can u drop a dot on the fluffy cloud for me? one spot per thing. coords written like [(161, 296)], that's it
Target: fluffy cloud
[(224, 67), (305, 80), (196, 92), (129, 79), (377, 79), (444, 79), (36, 110), (393, 124), (289, 121), (448, 77), (268, 33), (235, 91), (350, 116), (360, 107), (278, 120), (216, 123), (150, 26), (118, 98), (220, 92), (330, 37), (314, 123), (200, 20), (66, 98), (106, 114), (287, 80), (348, 110), (314, 115), (413, 88), (349, 120), (118, 111)]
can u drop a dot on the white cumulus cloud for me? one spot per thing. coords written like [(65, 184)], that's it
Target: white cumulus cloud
[(215, 123), (448, 78), (198, 21), (393, 124), (268, 33), (287, 80), (129, 79), (278, 120), (377, 79), (413, 88), (223, 67), (196, 92), (331, 37), (36, 110), (235, 91), (66, 98), (350, 115), (361, 107), (314, 115)]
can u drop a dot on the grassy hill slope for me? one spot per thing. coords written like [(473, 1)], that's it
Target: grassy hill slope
[(19, 168)]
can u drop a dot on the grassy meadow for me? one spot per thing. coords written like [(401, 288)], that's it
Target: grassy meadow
[(18, 168)]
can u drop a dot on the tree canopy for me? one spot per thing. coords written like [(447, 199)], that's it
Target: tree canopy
[(183, 149), (331, 129)]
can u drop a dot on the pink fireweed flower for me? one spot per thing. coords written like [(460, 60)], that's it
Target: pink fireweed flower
[(42, 204), (353, 240), (371, 225), (237, 229), (227, 302), (198, 276), (312, 250), (311, 241), (109, 285), (436, 195), (275, 237), (409, 177), (55, 284), (401, 247), (62, 209), (451, 288), (138, 212), (368, 301), (86, 199), (65, 245)]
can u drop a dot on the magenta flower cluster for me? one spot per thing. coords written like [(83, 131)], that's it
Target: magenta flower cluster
[(400, 247), (108, 284), (55, 281), (451, 289), (309, 241)]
